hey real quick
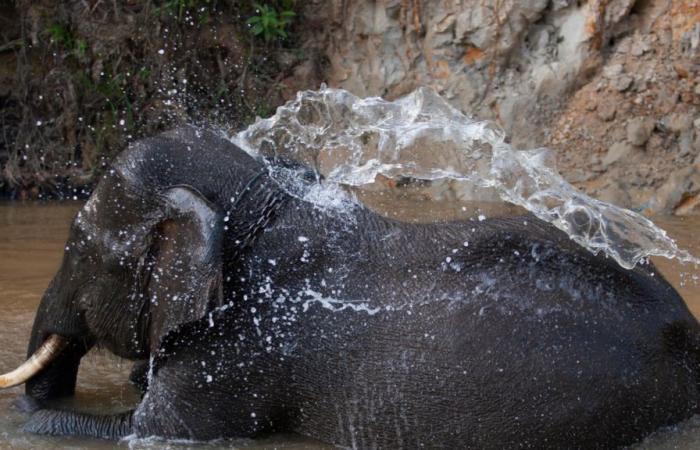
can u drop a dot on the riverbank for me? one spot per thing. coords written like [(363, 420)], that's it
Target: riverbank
[(80, 80), (609, 85)]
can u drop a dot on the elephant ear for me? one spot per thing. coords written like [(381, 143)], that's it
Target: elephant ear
[(185, 262)]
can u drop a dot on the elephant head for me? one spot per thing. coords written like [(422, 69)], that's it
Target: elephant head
[(143, 256)]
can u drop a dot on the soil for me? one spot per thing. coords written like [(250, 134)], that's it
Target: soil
[(610, 85), (638, 118), (79, 80)]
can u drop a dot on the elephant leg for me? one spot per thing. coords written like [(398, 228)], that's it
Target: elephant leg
[(178, 407), (139, 376), (67, 423), (200, 390)]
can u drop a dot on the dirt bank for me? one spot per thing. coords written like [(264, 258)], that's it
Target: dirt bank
[(611, 85), (78, 80)]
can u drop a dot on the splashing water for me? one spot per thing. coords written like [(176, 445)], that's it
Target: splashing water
[(350, 141)]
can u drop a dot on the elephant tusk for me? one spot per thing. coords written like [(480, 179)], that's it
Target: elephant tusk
[(42, 357)]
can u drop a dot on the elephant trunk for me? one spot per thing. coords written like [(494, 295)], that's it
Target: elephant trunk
[(58, 315), (68, 423), (58, 378)]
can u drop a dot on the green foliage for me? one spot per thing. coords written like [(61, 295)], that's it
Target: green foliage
[(115, 91), (112, 86), (179, 7), (144, 73), (80, 48), (263, 109), (270, 22), (61, 35)]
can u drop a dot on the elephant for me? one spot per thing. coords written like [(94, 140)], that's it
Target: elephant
[(260, 312)]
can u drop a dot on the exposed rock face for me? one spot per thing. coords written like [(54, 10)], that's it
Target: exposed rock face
[(658, 46), (609, 84), (639, 130), (514, 61)]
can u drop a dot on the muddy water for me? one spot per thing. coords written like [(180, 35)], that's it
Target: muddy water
[(31, 243)]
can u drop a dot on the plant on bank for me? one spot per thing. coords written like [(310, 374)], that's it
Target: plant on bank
[(61, 35), (179, 8), (271, 23)]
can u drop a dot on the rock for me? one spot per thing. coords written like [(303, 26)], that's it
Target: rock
[(666, 101), (622, 83), (687, 97), (606, 111), (540, 68), (615, 193), (286, 59), (696, 123), (445, 23), (578, 176), (677, 122), (616, 10), (624, 46), (639, 47), (680, 194), (612, 71), (303, 75), (560, 4), (689, 204), (681, 71), (687, 143), (617, 151), (618, 132), (639, 130)]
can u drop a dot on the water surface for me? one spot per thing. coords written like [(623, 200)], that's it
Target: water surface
[(32, 237)]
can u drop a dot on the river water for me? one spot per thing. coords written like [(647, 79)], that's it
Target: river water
[(32, 237)]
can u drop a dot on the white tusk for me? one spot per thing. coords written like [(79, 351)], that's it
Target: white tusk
[(42, 357)]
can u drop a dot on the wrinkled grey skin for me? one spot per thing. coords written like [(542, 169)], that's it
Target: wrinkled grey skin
[(153, 229), (351, 328)]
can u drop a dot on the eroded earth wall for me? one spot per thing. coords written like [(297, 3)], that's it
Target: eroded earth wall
[(611, 85)]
